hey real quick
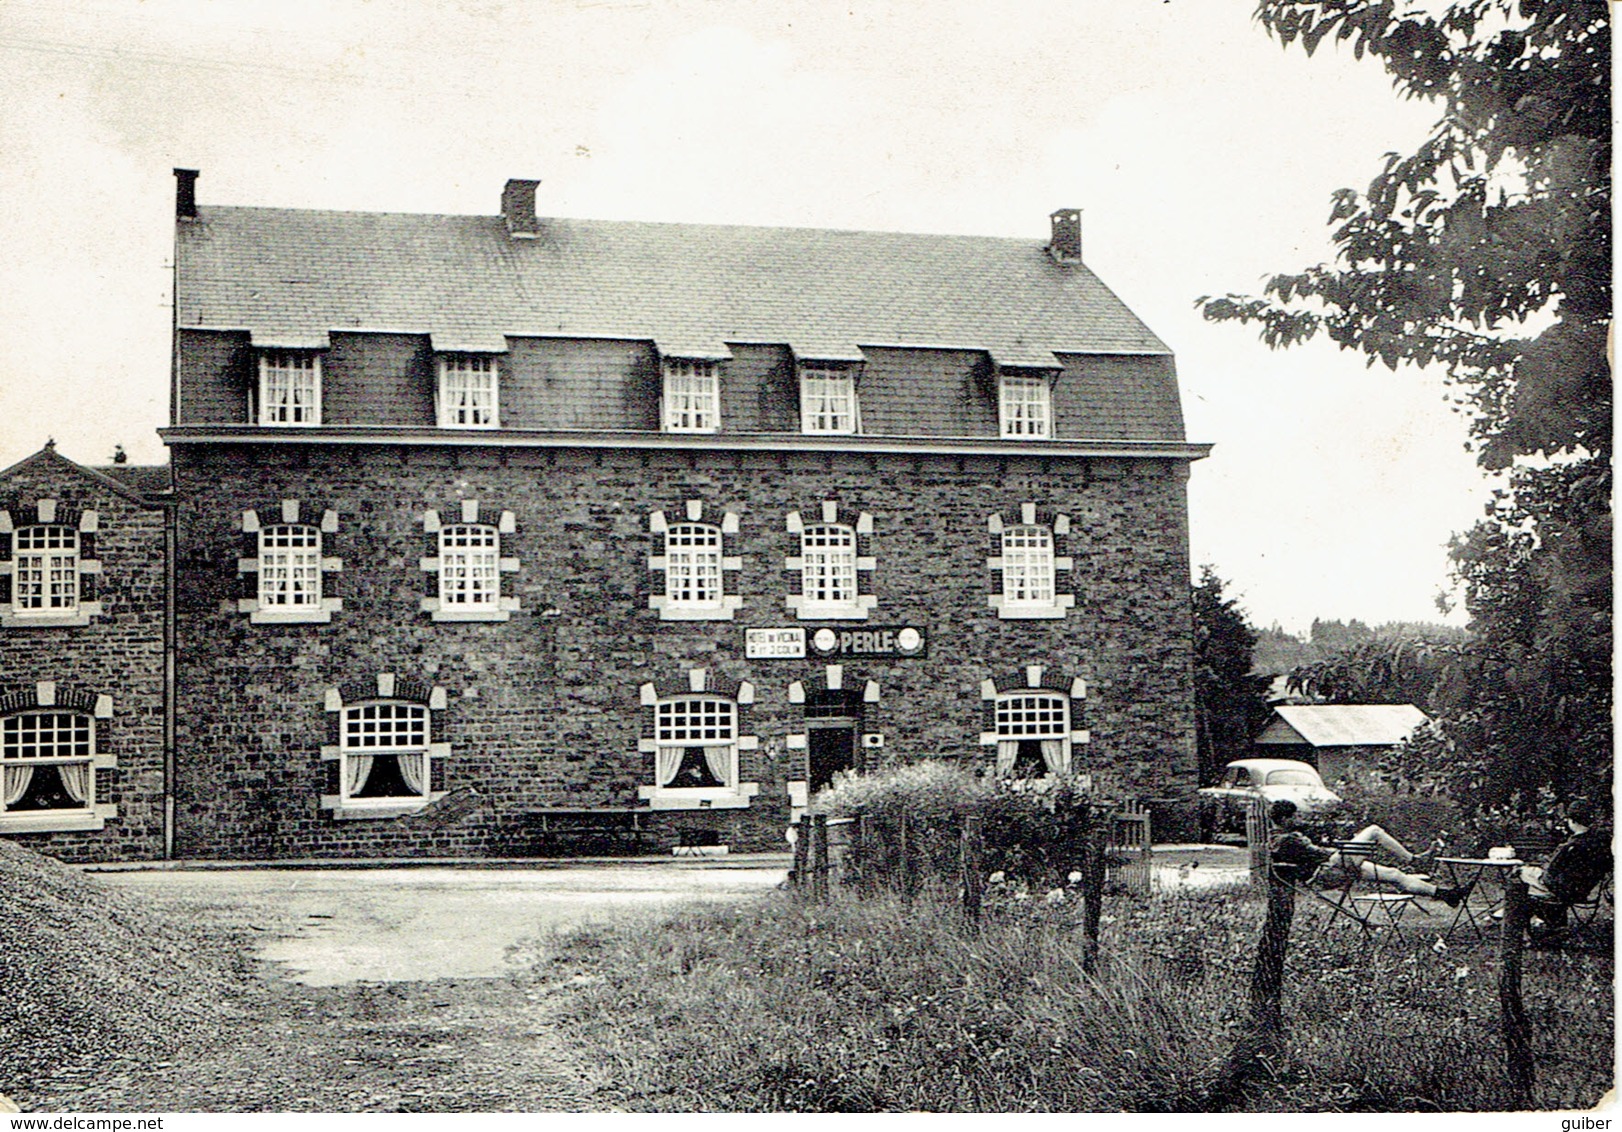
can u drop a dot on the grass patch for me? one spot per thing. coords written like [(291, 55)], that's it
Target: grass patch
[(877, 1006)]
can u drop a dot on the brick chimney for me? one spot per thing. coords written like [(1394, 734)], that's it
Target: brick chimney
[(1066, 244), (185, 194), (518, 209)]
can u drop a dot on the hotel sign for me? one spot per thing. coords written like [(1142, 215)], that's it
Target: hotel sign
[(887, 642)]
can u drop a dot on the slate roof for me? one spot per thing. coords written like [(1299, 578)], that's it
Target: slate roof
[(148, 479), (133, 481), (1345, 725), (290, 276)]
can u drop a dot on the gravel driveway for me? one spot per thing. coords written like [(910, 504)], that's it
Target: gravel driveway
[(330, 927)]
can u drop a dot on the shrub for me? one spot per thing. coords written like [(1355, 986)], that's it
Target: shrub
[(1416, 820), (1033, 833)]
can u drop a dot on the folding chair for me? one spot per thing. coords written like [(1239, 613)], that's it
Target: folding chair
[(1367, 910), (1584, 925)]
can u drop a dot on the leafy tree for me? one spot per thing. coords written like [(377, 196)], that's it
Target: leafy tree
[(1230, 703), (1488, 249), (1487, 252), (1383, 670)]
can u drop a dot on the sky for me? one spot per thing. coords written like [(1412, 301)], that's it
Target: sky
[(1201, 153)]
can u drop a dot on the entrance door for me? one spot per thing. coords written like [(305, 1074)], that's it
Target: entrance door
[(832, 744)]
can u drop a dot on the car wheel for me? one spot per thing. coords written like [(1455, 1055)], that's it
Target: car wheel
[(1207, 825)]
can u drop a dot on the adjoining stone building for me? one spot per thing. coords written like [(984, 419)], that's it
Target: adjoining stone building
[(83, 654), (673, 519)]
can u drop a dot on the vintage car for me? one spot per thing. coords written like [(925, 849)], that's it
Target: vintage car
[(1223, 807)]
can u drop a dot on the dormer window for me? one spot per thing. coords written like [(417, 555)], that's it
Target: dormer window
[(692, 396), (828, 402), (289, 391), (1025, 407), (467, 395)]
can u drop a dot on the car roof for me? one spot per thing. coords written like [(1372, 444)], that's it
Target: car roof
[(1273, 764)]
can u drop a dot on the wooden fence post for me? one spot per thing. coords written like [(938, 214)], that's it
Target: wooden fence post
[(1259, 846), (904, 857), (860, 876), (1263, 1036), (972, 857), (1093, 871), (802, 848), (819, 858), (1517, 1029)]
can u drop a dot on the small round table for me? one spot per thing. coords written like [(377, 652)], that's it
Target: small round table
[(1472, 871)]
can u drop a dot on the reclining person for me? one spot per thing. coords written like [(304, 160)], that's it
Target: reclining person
[(1296, 857), (1572, 871)]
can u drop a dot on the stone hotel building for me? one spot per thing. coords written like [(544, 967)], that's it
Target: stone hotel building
[(476, 524)]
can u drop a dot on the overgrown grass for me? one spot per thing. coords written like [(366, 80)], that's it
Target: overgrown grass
[(877, 1006)]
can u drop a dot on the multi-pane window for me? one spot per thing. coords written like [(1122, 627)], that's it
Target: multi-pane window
[(1027, 566), (693, 566), (1033, 734), (45, 577), (696, 742), (384, 751), (827, 401), (45, 761), (469, 567), (467, 391), (289, 388), (1026, 407), (692, 401), (828, 566), (289, 567)]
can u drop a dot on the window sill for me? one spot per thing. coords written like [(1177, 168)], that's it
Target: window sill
[(1033, 612), (361, 810), (729, 606), (855, 612), (699, 798), (47, 620), (470, 615), (57, 821), (258, 615)]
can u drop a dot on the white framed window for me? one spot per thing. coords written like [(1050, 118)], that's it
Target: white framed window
[(48, 566), (695, 740), (50, 761), (466, 561), (469, 568), (1033, 730), (385, 751), (828, 402), (828, 568), (383, 754), (694, 566), (469, 391), (45, 571), (831, 572), (291, 580), (692, 395), (1026, 407), (1025, 556), (290, 568), (289, 390), (1027, 566), (1033, 734), (47, 768)]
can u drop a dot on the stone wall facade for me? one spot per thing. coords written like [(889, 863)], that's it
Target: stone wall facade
[(544, 708), (110, 669)]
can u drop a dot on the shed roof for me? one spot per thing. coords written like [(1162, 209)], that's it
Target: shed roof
[(1343, 725), (291, 276)]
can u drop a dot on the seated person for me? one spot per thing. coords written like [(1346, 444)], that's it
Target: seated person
[(1572, 871), (1297, 858)]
